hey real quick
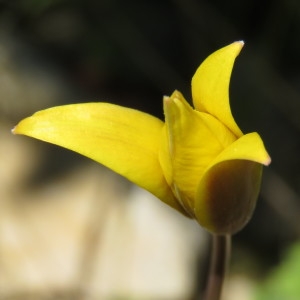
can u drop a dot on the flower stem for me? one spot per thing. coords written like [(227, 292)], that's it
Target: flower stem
[(221, 247)]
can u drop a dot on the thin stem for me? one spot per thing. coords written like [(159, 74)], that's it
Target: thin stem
[(221, 248)]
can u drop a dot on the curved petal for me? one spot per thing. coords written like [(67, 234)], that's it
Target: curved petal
[(210, 85), (227, 195), (227, 192), (248, 147), (194, 139), (123, 139)]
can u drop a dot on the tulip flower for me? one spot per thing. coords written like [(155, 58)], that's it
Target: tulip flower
[(198, 161)]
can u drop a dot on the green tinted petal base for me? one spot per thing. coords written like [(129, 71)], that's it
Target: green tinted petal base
[(227, 196)]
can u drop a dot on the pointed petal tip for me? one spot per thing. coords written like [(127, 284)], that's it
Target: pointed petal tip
[(268, 161), (210, 85), (16, 130), (19, 128), (166, 99), (239, 45)]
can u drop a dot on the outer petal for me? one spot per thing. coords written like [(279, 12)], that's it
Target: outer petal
[(123, 139), (249, 147), (194, 140), (210, 85), (227, 193)]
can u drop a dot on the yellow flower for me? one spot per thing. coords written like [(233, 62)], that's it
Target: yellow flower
[(198, 161)]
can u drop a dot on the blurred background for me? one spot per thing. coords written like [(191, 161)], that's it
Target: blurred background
[(71, 229)]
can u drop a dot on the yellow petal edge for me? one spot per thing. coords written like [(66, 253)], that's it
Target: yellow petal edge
[(123, 139), (210, 85), (227, 193)]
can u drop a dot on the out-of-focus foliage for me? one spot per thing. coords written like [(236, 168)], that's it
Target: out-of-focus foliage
[(284, 281)]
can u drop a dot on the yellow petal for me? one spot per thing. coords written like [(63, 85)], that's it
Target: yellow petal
[(227, 193), (123, 139), (248, 147), (194, 139), (210, 85)]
